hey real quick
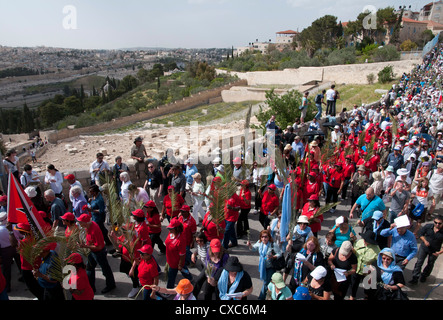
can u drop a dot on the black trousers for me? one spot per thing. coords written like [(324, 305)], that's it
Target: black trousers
[(243, 222)]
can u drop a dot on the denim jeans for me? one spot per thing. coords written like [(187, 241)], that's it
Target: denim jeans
[(101, 259), (172, 275), (422, 254), (319, 111), (230, 234)]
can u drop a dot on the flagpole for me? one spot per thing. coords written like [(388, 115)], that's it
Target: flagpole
[(4, 179)]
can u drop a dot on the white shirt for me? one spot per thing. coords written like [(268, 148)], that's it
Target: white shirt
[(330, 94), (103, 166), (436, 182), (56, 185)]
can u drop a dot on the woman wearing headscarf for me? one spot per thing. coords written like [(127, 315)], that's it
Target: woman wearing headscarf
[(267, 251), (233, 282), (389, 275)]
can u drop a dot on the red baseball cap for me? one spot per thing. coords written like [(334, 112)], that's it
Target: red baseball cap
[(147, 249), (24, 227), (312, 173), (68, 216), (174, 223), (313, 197), (215, 245), (3, 198), (70, 177), (171, 188), (74, 258), (185, 208), (138, 213), (84, 218), (272, 187), (150, 204)]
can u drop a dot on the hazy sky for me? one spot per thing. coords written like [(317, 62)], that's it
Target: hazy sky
[(114, 24)]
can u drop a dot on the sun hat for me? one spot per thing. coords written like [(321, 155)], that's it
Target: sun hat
[(390, 169), (184, 287), (24, 227), (302, 219), (233, 265), (377, 215), (31, 192)]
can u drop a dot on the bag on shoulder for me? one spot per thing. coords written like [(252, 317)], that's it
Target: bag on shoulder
[(418, 210)]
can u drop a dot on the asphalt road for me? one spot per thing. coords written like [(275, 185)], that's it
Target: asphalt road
[(430, 290)]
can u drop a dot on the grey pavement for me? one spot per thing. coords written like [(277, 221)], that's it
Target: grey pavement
[(430, 290)]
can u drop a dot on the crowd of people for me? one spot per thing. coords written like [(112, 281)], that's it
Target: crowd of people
[(385, 162)]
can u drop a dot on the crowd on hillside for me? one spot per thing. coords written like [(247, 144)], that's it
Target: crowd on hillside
[(386, 161)]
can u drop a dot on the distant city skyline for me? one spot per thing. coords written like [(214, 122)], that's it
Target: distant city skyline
[(99, 24)]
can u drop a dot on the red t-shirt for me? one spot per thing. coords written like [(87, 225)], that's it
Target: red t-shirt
[(25, 265), (231, 214), (210, 228), (269, 202), (94, 236), (143, 233), (335, 178), (175, 248), (308, 212), (179, 201), (147, 271), (82, 284), (245, 199), (310, 189), (189, 228), (154, 220), (348, 170)]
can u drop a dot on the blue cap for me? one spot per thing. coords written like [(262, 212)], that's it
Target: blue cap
[(302, 293), (377, 215)]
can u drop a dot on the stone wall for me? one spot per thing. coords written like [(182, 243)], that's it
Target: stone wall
[(350, 73)]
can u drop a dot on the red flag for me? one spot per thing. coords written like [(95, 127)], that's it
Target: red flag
[(22, 210)]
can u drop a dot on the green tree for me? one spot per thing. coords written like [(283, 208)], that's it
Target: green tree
[(73, 106), (50, 113), (284, 107), (28, 120), (322, 33)]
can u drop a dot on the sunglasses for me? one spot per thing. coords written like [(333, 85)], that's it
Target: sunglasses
[(438, 223)]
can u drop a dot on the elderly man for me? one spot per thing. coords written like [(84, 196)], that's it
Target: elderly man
[(298, 147), (72, 183), (139, 154), (368, 203), (403, 243), (98, 168), (78, 200), (154, 184), (178, 180), (395, 159), (57, 208)]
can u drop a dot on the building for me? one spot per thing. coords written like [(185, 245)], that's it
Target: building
[(432, 11), (412, 29), (285, 37)]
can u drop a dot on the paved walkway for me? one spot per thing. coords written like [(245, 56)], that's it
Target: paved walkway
[(429, 290)]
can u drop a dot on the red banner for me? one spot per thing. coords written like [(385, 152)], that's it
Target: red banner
[(22, 210)]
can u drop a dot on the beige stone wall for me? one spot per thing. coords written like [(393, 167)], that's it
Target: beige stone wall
[(352, 73)]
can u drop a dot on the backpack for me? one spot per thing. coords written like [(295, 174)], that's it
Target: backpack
[(318, 98)]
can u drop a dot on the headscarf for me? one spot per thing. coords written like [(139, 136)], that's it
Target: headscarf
[(386, 276), (263, 253), (223, 284)]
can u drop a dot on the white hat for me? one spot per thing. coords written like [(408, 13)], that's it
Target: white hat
[(402, 221), (221, 168), (337, 127), (319, 273), (302, 219), (402, 172), (31, 192)]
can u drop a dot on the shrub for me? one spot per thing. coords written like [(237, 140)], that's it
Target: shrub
[(386, 74), (370, 77)]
